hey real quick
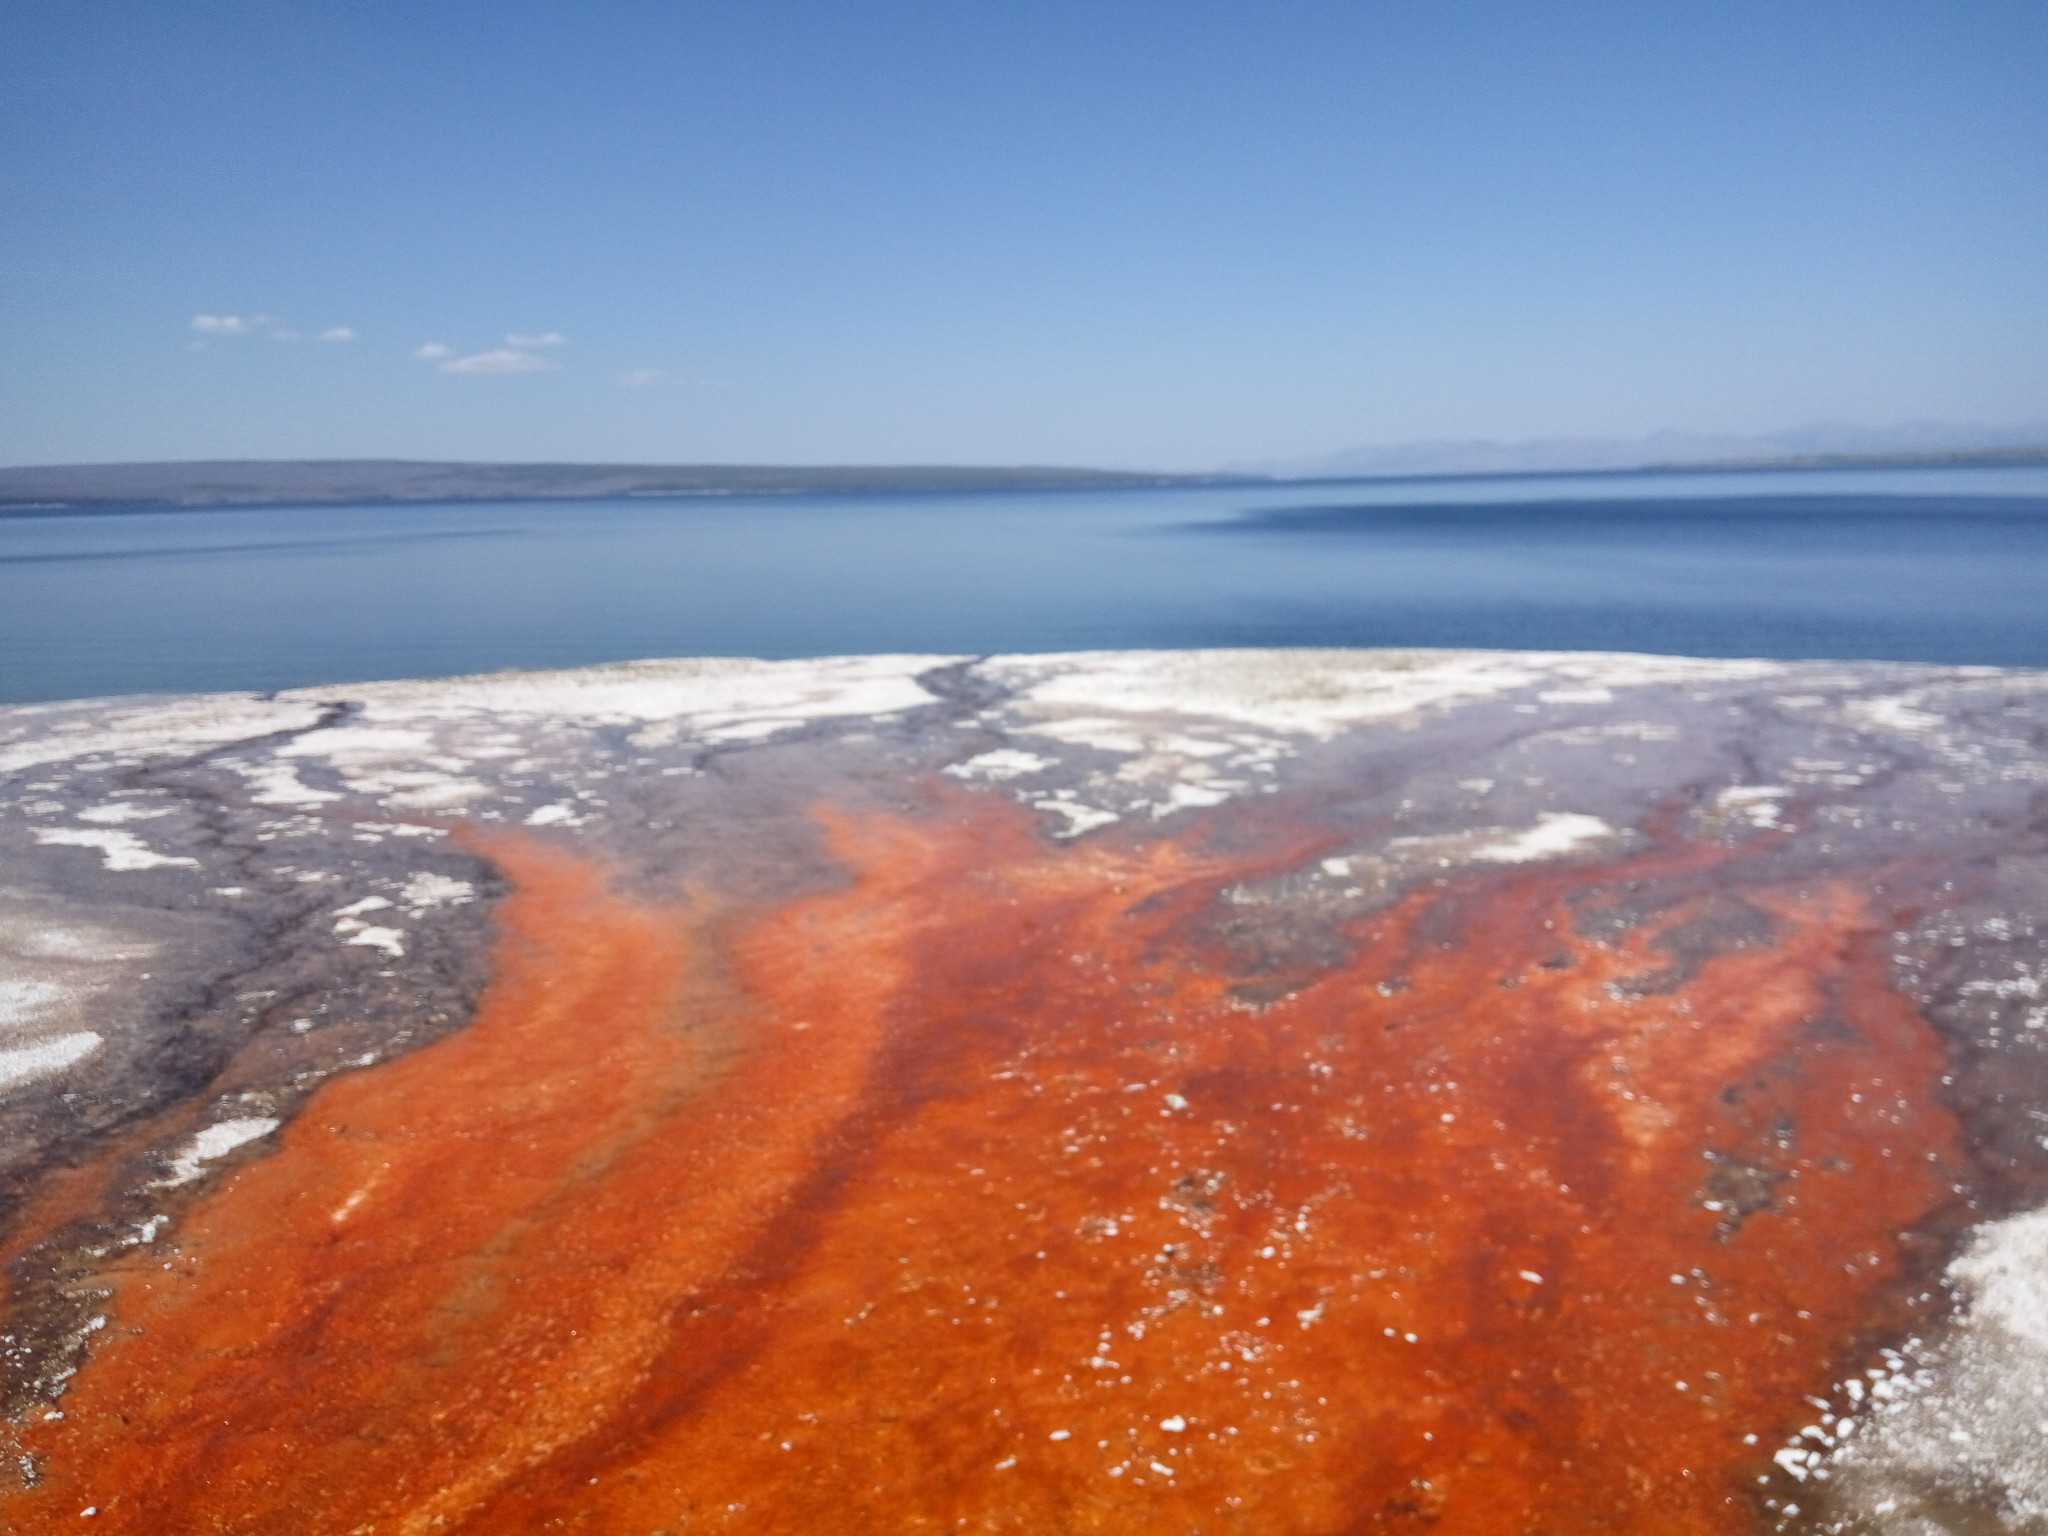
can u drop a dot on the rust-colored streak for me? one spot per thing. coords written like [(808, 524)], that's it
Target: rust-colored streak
[(969, 1197)]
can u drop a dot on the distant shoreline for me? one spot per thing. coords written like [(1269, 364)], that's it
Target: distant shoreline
[(1989, 458), (198, 486), (355, 482)]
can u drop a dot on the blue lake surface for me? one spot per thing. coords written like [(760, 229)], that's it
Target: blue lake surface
[(1943, 565)]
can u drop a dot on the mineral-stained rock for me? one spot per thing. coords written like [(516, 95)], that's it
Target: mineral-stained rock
[(1209, 1091)]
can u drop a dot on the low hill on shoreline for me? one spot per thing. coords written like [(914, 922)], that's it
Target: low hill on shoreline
[(315, 482)]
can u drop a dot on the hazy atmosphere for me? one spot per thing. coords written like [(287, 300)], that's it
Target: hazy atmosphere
[(1174, 236)]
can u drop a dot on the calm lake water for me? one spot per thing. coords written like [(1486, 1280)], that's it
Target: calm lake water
[(1921, 565)]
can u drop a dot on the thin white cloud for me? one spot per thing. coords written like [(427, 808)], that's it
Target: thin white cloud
[(498, 360), (209, 327), (641, 378), (338, 333), (520, 354)]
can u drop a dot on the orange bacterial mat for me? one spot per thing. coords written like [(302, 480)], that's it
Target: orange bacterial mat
[(973, 1197)]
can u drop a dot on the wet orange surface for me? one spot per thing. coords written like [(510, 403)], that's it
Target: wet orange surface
[(970, 1197)]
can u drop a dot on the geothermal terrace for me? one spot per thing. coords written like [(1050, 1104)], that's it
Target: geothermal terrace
[(1196, 1092)]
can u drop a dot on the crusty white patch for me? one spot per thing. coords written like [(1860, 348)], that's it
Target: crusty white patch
[(1756, 804), (1187, 796), (1090, 731), (120, 811), (1079, 818), (216, 1141), (1555, 834), (27, 1062), (1324, 692), (56, 733), (2005, 1275), (44, 940), (708, 694), (431, 792), (278, 783), (1960, 1425), (23, 1000), (390, 940), (355, 745), (117, 850), (54, 975), (425, 889), (1003, 763), (349, 924), (419, 745), (1898, 712)]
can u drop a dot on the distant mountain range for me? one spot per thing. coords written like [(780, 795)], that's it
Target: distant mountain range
[(1823, 444), (313, 482)]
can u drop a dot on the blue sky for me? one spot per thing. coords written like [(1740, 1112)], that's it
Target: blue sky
[(1170, 234)]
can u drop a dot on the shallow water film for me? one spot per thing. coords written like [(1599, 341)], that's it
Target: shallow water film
[(1232, 1091)]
